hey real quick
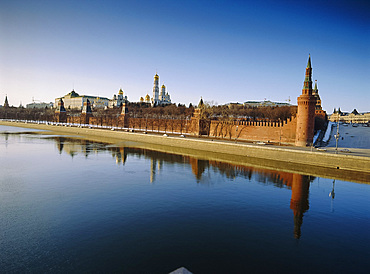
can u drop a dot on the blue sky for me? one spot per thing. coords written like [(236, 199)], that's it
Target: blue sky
[(224, 51)]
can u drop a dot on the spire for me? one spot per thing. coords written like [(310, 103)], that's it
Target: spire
[(200, 102), (309, 61), (315, 85), (6, 103)]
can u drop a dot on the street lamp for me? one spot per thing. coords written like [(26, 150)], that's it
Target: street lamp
[(280, 131), (336, 136)]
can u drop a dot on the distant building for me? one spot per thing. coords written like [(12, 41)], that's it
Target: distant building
[(265, 103), (40, 105), (162, 98), (353, 117), (75, 101)]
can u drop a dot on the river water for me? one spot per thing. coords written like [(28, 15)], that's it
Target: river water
[(70, 205)]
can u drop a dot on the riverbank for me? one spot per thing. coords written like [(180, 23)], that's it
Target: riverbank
[(291, 159)]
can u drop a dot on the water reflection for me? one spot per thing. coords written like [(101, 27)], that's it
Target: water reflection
[(299, 184)]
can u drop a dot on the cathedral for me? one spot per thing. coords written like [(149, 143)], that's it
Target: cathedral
[(117, 100)]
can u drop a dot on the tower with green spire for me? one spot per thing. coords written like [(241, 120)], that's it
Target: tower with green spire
[(60, 114), (306, 111)]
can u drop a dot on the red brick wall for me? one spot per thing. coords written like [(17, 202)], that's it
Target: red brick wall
[(255, 131)]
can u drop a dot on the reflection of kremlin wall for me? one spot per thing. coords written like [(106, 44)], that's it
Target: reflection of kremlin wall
[(299, 184)]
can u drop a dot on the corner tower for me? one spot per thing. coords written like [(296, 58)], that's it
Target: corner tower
[(306, 111)]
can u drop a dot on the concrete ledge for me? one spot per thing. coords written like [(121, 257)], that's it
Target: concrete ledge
[(346, 167)]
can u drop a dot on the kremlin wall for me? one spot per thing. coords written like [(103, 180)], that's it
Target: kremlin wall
[(297, 130)]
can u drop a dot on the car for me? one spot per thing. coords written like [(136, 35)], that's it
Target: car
[(260, 143), (345, 150)]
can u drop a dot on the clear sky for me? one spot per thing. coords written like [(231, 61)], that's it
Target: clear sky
[(224, 51)]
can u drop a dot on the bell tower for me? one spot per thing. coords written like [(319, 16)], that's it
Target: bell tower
[(156, 90), (306, 111)]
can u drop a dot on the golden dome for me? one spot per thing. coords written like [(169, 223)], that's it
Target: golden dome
[(156, 76), (147, 97), (120, 92)]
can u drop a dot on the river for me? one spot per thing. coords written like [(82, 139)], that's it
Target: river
[(72, 205)]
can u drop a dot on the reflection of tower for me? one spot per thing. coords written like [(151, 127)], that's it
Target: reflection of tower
[(153, 164), (123, 152), (121, 155), (306, 111), (156, 90), (198, 167), (299, 201), (160, 164), (332, 195), (60, 144)]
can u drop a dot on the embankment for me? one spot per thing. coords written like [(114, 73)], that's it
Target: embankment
[(291, 159)]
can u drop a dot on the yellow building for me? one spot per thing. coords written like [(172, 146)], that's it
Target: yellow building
[(360, 118)]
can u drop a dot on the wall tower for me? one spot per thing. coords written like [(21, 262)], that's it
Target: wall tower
[(306, 111), (60, 112), (6, 103)]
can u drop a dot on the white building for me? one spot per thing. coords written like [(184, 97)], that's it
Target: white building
[(265, 103), (40, 105), (160, 99), (76, 101)]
